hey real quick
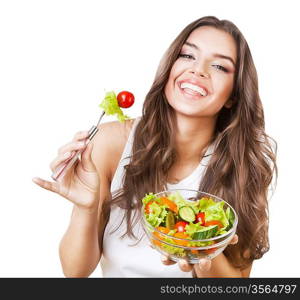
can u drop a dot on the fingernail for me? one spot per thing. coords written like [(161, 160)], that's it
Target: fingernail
[(204, 264), (182, 262), (163, 258)]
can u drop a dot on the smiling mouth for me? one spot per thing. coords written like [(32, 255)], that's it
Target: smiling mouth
[(193, 90)]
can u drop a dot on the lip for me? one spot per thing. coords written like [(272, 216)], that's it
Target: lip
[(194, 82)]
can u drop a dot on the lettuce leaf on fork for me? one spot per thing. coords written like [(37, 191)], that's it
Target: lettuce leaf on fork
[(111, 107)]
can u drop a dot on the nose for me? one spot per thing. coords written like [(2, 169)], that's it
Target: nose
[(199, 69)]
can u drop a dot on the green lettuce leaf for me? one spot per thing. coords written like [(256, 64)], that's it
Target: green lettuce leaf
[(157, 215), (173, 250), (177, 199), (222, 231), (192, 228), (214, 211), (170, 249), (200, 244), (230, 216), (195, 206), (204, 203), (172, 232), (148, 197), (111, 107)]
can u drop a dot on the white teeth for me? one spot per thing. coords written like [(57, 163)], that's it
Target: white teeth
[(193, 87)]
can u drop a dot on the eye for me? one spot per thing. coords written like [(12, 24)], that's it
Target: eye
[(221, 68), (188, 56)]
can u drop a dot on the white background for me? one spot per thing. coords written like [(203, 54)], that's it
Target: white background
[(56, 59)]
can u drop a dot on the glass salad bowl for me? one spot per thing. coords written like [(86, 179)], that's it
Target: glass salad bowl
[(188, 224)]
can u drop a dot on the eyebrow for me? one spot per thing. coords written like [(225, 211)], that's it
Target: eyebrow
[(214, 54)]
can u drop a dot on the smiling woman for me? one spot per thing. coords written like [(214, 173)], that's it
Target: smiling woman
[(202, 128), (201, 81)]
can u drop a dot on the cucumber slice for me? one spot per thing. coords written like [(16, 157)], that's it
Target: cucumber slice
[(170, 220), (205, 233), (186, 213)]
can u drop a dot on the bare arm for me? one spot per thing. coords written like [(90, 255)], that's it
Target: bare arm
[(81, 246), (79, 250)]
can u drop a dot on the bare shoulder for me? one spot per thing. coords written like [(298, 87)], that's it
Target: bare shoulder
[(108, 144)]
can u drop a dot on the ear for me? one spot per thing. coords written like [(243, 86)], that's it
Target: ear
[(229, 103)]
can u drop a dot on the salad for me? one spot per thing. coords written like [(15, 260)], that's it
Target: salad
[(191, 223), (111, 104)]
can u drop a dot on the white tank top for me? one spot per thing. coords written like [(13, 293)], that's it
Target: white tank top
[(122, 257)]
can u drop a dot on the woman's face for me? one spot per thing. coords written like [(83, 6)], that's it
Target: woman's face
[(201, 80)]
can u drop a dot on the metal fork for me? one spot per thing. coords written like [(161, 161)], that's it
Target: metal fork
[(60, 172)]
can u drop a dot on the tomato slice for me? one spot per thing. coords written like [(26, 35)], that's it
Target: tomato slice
[(200, 218), (170, 204), (180, 226), (214, 222)]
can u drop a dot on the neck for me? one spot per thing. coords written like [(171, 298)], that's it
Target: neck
[(193, 137)]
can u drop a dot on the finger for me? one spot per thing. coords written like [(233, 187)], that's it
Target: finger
[(47, 185), (86, 158), (73, 146), (204, 264), (185, 266), (63, 158), (166, 261), (80, 135), (234, 240)]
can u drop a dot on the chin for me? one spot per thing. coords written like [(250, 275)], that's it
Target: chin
[(187, 110)]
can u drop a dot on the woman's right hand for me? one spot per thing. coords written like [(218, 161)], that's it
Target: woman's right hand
[(80, 184)]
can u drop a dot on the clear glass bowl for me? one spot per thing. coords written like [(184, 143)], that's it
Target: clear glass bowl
[(178, 248)]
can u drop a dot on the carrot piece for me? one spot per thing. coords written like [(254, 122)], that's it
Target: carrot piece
[(170, 204)]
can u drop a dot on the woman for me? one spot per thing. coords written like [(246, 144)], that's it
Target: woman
[(202, 127)]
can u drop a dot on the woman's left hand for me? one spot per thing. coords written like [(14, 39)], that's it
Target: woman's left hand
[(203, 265)]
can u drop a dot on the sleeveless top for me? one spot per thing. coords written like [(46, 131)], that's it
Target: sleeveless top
[(124, 257)]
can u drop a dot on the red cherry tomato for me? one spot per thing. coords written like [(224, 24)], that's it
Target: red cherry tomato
[(180, 226), (200, 218), (125, 99)]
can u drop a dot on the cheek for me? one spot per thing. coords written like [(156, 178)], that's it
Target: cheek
[(177, 69), (169, 88), (223, 88)]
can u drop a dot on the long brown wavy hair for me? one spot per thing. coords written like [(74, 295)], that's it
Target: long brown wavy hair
[(243, 163)]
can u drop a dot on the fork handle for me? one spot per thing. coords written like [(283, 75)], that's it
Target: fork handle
[(59, 173)]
